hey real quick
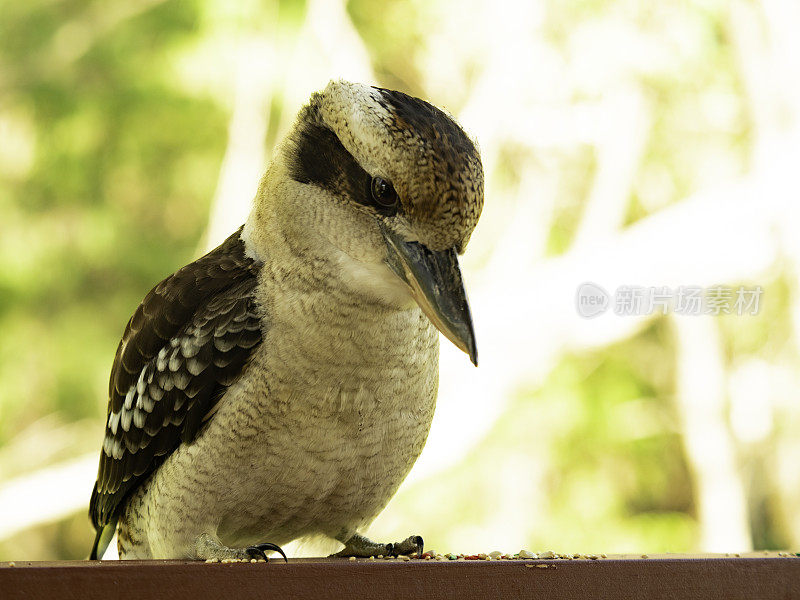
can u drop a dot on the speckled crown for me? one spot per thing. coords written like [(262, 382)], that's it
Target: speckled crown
[(434, 166)]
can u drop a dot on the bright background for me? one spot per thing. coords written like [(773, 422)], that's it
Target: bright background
[(638, 143)]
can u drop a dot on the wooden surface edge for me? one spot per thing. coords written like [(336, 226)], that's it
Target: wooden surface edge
[(619, 578)]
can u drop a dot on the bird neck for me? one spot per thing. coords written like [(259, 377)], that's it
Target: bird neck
[(303, 237), (315, 296)]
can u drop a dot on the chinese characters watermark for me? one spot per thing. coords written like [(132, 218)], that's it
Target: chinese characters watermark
[(592, 300)]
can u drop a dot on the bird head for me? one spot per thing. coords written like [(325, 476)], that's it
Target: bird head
[(396, 187)]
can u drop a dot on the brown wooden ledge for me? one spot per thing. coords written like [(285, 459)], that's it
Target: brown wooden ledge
[(757, 575)]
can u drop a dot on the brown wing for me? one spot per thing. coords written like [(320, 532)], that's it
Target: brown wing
[(189, 340)]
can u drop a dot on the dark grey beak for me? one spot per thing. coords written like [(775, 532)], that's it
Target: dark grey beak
[(436, 285)]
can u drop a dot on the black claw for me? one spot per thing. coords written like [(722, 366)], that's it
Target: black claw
[(257, 551), (420, 543)]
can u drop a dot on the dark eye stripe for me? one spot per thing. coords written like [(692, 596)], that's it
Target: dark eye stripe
[(318, 157)]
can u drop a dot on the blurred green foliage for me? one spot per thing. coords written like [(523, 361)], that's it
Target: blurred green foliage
[(114, 197), (113, 168)]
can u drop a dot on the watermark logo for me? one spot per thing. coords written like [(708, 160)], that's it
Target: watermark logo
[(592, 300)]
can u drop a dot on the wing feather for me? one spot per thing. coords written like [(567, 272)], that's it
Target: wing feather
[(190, 339)]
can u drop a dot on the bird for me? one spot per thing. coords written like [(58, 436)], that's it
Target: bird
[(282, 386)]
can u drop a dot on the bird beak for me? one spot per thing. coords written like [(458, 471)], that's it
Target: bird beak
[(437, 287)]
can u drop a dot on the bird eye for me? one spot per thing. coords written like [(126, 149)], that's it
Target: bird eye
[(383, 193)]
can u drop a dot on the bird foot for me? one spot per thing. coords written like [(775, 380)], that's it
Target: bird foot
[(362, 547), (209, 548)]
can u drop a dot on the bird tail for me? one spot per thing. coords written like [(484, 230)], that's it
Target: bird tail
[(102, 540)]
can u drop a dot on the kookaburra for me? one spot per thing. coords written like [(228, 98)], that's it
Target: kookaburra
[(283, 385)]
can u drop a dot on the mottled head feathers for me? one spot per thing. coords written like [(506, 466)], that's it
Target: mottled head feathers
[(350, 133)]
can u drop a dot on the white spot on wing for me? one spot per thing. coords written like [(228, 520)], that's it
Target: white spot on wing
[(194, 366), (175, 360), (145, 403), (141, 385), (161, 360), (139, 417), (125, 419), (129, 399), (155, 393), (113, 422), (108, 445), (189, 348), (117, 449)]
